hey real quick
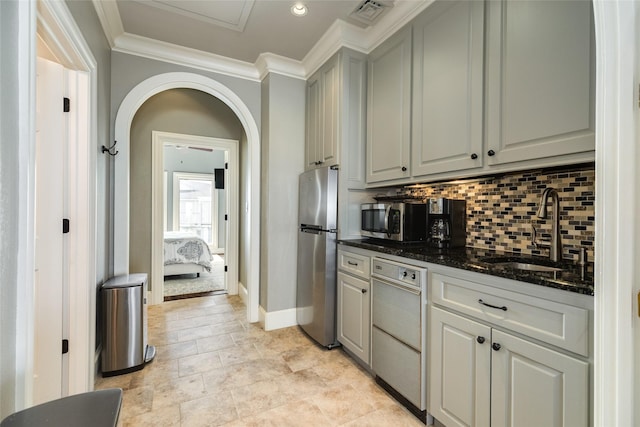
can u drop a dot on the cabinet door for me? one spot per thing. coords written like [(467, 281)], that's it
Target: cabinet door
[(540, 79), (534, 386), (448, 87), (459, 370), (330, 112), (354, 315), (389, 109), (314, 121)]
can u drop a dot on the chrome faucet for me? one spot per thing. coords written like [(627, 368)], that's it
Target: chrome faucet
[(555, 245)]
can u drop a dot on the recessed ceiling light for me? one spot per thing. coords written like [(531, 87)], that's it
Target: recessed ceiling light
[(299, 9)]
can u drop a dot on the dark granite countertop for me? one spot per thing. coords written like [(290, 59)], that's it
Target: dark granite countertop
[(488, 262)]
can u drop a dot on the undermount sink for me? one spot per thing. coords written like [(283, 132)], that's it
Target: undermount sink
[(528, 267)]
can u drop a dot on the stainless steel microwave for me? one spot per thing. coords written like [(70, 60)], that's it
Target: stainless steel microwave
[(397, 221)]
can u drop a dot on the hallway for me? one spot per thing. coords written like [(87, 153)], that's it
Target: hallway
[(212, 368)]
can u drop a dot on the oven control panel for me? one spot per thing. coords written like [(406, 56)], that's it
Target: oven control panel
[(399, 273)]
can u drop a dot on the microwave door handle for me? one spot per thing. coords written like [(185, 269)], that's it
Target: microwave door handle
[(386, 220)]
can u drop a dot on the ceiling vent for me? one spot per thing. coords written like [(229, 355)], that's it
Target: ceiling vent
[(369, 11)]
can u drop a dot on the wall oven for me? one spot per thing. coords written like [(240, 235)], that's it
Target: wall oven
[(397, 221)]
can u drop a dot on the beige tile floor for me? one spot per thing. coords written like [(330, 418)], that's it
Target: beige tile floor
[(212, 368)]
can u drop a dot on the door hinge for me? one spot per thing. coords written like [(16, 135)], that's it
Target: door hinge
[(65, 346), (226, 165), (225, 268), (65, 225), (66, 105)]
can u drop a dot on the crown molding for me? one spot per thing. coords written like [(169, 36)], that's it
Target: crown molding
[(109, 17), (272, 63), (340, 34), (161, 51), (397, 17)]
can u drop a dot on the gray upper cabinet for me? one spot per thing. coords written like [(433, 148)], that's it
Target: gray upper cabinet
[(389, 109), (323, 96), (448, 50), (335, 114), (540, 80), (474, 87), (314, 122)]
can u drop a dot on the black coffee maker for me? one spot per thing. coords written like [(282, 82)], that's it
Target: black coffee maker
[(447, 223)]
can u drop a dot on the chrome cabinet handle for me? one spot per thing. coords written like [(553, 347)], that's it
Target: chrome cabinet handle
[(503, 308)]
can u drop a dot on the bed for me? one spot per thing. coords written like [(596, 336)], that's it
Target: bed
[(185, 253)]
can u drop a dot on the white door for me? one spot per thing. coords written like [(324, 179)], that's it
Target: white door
[(49, 380)]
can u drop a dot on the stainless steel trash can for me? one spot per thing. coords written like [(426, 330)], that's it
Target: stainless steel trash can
[(124, 339)]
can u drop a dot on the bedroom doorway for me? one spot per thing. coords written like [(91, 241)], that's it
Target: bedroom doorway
[(194, 216)]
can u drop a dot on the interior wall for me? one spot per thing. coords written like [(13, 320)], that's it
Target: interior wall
[(194, 161), (185, 111), (283, 135)]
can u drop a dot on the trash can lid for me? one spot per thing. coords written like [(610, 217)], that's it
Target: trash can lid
[(100, 408), (126, 281)]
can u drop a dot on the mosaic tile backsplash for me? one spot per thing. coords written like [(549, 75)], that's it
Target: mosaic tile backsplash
[(501, 210)]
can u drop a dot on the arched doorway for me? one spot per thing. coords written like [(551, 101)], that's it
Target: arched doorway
[(134, 99)]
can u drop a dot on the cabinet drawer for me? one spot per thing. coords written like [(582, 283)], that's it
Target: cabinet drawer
[(399, 366), (561, 325), (358, 265)]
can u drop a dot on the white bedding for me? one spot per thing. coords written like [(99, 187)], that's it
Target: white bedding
[(186, 248)]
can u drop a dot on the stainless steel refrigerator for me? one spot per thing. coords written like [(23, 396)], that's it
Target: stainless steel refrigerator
[(318, 216)]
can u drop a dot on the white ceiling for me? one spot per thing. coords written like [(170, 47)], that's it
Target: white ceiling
[(237, 29)]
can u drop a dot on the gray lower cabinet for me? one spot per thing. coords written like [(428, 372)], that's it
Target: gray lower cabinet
[(354, 305), (485, 377), (501, 358)]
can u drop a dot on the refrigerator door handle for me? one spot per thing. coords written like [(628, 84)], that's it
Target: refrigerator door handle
[(313, 229)]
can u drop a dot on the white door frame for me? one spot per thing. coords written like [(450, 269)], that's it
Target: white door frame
[(614, 363), (57, 28), (158, 141), (124, 117), (617, 234)]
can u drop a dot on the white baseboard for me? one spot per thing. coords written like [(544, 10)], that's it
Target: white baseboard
[(242, 292), (277, 319)]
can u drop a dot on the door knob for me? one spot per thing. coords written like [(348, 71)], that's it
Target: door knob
[(496, 346), (364, 291), (474, 156), (480, 340), (491, 153)]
